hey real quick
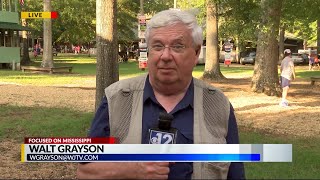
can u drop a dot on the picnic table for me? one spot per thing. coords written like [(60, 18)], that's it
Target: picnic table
[(314, 79), (47, 69)]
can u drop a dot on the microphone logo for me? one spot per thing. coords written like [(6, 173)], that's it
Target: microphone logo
[(154, 140), (161, 137), (164, 133)]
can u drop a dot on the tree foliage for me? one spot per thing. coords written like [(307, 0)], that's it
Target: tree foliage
[(239, 20), (77, 20), (153, 6), (74, 24), (300, 18)]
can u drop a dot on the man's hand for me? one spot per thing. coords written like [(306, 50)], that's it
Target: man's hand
[(123, 170), (153, 170)]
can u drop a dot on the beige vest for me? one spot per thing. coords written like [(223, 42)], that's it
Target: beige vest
[(211, 116)]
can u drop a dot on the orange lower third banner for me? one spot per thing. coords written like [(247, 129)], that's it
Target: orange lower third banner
[(39, 15)]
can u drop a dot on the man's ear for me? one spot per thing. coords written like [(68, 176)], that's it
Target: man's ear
[(198, 50)]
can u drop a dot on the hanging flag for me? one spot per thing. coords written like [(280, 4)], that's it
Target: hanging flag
[(21, 2)]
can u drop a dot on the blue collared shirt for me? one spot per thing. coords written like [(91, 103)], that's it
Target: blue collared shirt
[(183, 121)]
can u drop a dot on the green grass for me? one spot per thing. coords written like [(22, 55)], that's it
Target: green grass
[(302, 73), (38, 79), (82, 64), (306, 157), (19, 122), (239, 71), (84, 68)]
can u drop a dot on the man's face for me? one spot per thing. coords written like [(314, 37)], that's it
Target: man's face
[(172, 55)]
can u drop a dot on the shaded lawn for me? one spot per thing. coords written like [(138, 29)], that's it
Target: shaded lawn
[(305, 163), (19, 122)]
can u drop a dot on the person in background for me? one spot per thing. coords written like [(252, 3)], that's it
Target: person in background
[(78, 49), (287, 75), (75, 49), (316, 61), (38, 49), (201, 113), (311, 62), (35, 51)]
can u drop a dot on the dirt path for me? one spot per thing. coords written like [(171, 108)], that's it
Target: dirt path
[(258, 111)]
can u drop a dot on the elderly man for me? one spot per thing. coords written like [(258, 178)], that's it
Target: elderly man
[(201, 113)]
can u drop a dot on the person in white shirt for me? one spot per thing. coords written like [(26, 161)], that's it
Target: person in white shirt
[(287, 75)]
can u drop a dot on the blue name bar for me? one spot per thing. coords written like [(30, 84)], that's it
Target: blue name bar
[(145, 157), (181, 157)]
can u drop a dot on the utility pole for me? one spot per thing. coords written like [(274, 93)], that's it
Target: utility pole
[(142, 44), (141, 7), (175, 4)]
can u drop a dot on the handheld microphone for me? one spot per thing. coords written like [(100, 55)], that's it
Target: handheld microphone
[(164, 133)]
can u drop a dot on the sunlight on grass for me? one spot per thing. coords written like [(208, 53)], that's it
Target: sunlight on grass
[(84, 70)]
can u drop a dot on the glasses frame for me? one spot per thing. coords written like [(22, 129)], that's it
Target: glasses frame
[(159, 48)]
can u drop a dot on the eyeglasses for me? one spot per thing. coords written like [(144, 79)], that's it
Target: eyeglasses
[(159, 48)]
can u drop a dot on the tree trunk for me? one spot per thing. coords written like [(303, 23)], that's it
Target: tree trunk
[(47, 59), (318, 36), (212, 66), (107, 46), (89, 45), (305, 44), (265, 76), (281, 42), (25, 52), (237, 50)]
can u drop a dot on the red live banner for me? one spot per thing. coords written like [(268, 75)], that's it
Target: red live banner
[(69, 140), (54, 14)]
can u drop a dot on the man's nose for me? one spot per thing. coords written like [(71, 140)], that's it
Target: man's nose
[(166, 54)]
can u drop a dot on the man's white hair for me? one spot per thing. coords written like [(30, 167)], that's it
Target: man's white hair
[(171, 17)]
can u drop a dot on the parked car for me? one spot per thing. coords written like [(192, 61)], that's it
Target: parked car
[(297, 58), (248, 59)]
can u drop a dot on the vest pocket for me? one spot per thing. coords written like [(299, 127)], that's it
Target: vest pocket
[(216, 170)]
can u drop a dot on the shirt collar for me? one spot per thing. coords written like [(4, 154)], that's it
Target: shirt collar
[(186, 100), (148, 92)]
